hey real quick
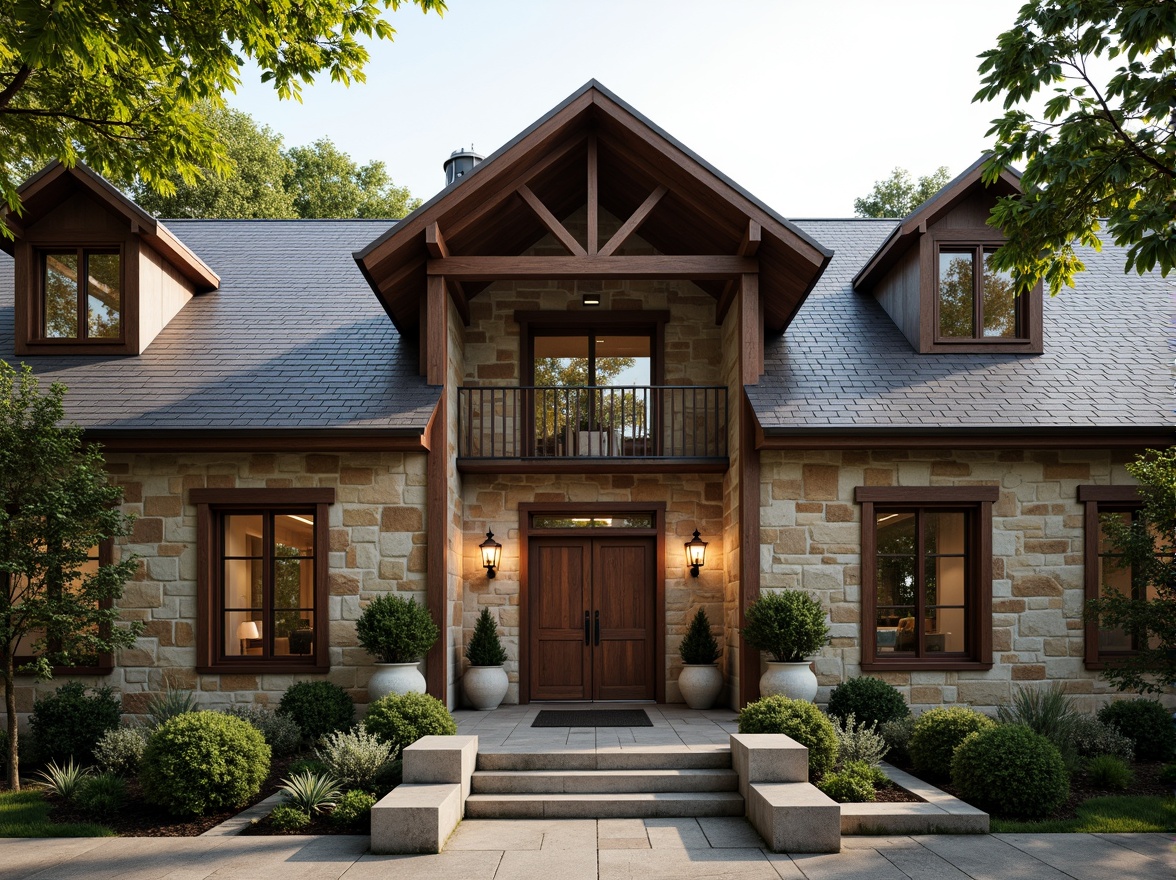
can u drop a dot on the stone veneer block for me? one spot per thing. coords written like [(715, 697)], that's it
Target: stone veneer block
[(767, 757), (416, 818), (795, 817), (940, 814), (441, 759)]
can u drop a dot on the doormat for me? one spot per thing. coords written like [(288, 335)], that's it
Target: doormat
[(592, 718)]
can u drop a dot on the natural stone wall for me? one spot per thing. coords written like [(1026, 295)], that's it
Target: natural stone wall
[(811, 539), (377, 544), (692, 502)]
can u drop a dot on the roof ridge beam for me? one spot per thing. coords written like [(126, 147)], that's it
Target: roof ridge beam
[(551, 222), (635, 220)]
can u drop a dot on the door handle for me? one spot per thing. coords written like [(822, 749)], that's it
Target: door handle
[(598, 627), (587, 630)]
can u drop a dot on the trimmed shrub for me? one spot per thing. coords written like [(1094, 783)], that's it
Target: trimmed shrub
[(485, 648), (318, 708), (282, 733), (897, 734), (854, 783), (936, 735), (1091, 738), (1010, 771), (120, 750), (288, 817), (395, 629), (870, 700), (788, 624), (402, 719), (353, 808), (101, 795), (1109, 772), (68, 723), (858, 742), (307, 765), (202, 761), (1146, 723), (798, 719), (354, 757), (699, 645)]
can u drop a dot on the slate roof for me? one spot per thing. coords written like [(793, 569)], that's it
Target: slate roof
[(293, 339), (842, 364)]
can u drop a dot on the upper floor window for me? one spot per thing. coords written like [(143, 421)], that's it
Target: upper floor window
[(975, 301), (81, 294)]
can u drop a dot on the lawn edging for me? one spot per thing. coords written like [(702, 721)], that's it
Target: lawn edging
[(941, 813)]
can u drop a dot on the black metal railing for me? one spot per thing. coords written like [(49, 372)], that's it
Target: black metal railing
[(627, 421)]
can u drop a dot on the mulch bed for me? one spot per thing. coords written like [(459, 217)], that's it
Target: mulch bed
[(894, 794), (318, 825)]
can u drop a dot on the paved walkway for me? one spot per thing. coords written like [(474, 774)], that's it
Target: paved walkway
[(609, 849)]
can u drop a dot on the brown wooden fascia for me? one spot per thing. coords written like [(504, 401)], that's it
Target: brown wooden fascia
[(716, 267)]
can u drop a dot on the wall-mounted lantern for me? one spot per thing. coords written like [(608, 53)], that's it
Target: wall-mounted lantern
[(695, 553), (491, 554)]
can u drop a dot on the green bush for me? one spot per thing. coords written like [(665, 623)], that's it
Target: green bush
[(1091, 738), (1168, 774), (120, 750), (318, 708), (402, 719), (353, 808), (354, 757), (68, 724), (101, 795), (282, 733), (798, 719), (699, 645), (288, 817), (870, 700), (396, 630), (897, 734), (858, 742), (1108, 772), (485, 648), (1048, 712), (202, 761), (788, 624), (937, 733), (1146, 723), (854, 783), (1010, 771), (307, 765)]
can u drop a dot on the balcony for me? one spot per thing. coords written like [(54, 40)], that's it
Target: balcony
[(592, 429)]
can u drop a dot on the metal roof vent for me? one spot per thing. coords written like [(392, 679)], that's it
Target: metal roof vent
[(460, 163)]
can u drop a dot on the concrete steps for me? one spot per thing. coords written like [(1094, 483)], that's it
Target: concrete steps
[(620, 784)]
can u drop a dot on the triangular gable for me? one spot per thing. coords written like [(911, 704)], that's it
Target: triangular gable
[(927, 214), (595, 150)]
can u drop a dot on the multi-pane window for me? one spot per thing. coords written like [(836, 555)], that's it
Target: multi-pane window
[(973, 299), (82, 294), (926, 576)]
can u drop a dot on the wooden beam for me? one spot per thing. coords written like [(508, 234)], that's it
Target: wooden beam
[(751, 337), (460, 300), (717, 267), (435, 242), (634, 221), (436, 331), (751, 239), (437, 548), (593, 197), (725, 299), (749, 546), (551, 222)]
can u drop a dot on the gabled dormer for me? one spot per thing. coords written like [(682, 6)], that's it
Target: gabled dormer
[(934, 278), (95, 273)]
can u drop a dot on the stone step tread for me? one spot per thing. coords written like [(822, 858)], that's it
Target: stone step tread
[(604, 781), (613, 805), (593, 759)]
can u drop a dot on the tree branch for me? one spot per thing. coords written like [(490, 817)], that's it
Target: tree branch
[(13, 87)]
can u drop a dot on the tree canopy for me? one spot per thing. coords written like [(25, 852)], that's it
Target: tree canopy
[(898, 195), (1100, 149), (115, 81), (56, 507)]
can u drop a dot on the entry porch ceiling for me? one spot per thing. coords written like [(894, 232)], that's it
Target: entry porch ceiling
[(696, 212)]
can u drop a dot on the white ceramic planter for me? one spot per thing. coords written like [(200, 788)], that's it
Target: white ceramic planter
[(700, 684), (485, 686), (796, 681), (395, 678)]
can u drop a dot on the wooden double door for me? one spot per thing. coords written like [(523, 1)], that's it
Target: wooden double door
[(592, 618)]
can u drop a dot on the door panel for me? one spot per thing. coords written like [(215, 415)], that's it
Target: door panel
[(560, 593), (622, 584)]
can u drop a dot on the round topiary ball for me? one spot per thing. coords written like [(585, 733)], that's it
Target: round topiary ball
[(798, 719), (1011, 772), (402, 719), (1146, 723), (937, 734), (869, 700), (203, 761), (318, 707)]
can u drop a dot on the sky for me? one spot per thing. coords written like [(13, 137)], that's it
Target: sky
[(805, 104)]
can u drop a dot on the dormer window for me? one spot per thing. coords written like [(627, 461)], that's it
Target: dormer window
[(81, 295), (973, 300)]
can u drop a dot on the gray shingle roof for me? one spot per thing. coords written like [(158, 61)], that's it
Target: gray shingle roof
[(843, 364), (294, 339)]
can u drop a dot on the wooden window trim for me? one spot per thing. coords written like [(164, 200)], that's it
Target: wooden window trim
[(210, 504), (1097, 500), (978, 500)]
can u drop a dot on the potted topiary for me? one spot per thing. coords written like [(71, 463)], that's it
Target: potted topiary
[(790, 626), (485, 682), (700, 679), (398, 633)]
